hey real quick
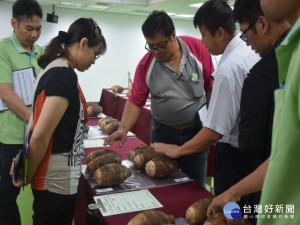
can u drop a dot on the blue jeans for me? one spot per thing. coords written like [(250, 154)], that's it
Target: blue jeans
[(9, 211), (194, 165)]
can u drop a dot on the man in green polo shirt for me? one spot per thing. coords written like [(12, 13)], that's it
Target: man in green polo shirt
[(281, 185), (17, 52)]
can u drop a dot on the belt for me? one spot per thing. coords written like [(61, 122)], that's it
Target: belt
[(197, 125), (188, 129)]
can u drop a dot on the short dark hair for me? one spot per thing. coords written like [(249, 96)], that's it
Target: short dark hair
[(26, 8), (81, 28), (214, 14), (158, 22), (247, 11)]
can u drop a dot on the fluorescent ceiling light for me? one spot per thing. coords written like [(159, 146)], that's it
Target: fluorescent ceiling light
[(71, 4), (171, 14), (133, 2), (196, 5), (98, 6), (184, 15)]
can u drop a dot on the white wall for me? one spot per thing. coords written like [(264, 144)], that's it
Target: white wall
[(125, 43)]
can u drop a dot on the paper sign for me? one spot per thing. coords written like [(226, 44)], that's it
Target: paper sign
[(119, 203)]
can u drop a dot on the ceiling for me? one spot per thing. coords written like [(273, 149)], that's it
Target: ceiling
[(175, 8)]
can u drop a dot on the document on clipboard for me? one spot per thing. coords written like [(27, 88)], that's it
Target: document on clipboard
[(22, 83)]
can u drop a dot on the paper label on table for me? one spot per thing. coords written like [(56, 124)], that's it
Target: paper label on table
[(119, 203), (103, 190), (122, 94), (94, 143), (181, 179), (96, 132)]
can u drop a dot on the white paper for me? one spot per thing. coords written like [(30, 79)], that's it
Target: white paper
[(203, 113), (96, 132), (93, 143), (22, 84), (119, 203)]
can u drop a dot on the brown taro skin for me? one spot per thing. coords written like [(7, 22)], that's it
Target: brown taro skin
[(133, 152), (239, 221), (101, 161), (111, 175), (161, 167), (145, 156), (216, 219), (196, 213), (152, 217), (93, 109), (96, 153), (117, 88), (111, 127), (104, 121)]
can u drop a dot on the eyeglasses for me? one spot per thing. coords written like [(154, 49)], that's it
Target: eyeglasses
[(160, 48), (243, 35)]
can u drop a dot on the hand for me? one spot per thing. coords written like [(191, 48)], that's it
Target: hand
[(220, 201), (117, 135), (19, 181), (169, 150)]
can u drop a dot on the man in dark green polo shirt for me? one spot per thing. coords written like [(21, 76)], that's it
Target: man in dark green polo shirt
[(17, 52)]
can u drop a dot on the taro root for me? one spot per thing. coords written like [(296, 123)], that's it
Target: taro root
[(239, 221), (152, 217), (196, 213), (145, 156), (117, 89), (111, 127), (111, 175), (102, 160), (133, 152), (94, 109), (161, 167), (97, 153), (217, 218), (104, 121)]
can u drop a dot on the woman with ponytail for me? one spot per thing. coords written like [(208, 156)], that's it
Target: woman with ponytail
[(55, 148)]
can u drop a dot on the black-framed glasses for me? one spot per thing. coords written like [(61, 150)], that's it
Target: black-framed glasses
[(160, 48), (243, 35)]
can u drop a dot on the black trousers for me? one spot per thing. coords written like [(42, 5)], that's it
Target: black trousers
[(53, 209), (230, 166), (9, 211)]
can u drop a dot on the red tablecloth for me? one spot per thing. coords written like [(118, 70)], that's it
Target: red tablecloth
[(113, 105), (175, 199)]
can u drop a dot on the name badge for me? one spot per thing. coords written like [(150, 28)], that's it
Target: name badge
[(194, 76)]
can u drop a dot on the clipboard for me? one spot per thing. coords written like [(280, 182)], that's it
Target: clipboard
[(23, 85)]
